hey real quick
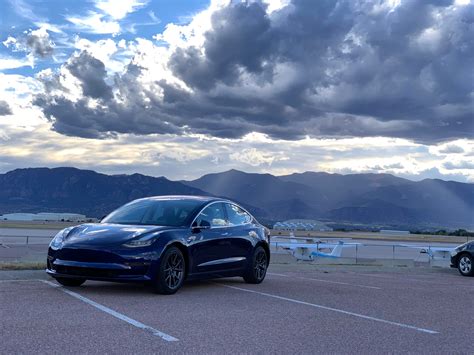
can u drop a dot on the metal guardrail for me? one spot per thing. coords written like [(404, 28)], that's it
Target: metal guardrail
[(27, 239)]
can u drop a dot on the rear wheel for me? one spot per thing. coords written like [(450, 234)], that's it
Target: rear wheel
[(70, 282), (257, 268), (466, 265), (171, 272)]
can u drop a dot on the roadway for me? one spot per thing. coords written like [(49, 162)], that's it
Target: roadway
[(299, 308), (30, 244)]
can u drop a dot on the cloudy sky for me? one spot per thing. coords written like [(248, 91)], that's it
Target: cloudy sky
[(182, 88)]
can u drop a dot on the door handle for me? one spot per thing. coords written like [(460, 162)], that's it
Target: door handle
[(226, 233)]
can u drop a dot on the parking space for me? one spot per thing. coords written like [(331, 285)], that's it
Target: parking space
[(298, 308)]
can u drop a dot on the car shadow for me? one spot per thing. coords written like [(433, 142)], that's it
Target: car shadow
[(102, 287)]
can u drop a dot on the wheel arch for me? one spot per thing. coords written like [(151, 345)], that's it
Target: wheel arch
[(463, 253), (183, 250)]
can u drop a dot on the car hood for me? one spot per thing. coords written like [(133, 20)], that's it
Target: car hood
[(107, 234)]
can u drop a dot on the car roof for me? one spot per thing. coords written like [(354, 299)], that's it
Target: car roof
[(203, 199)]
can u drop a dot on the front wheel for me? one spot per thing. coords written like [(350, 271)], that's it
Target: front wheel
[(257, 268), (466, 265), (70, 282), (171, 272)]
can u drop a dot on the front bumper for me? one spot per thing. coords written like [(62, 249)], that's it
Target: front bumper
[(454, 257), (98, 265)]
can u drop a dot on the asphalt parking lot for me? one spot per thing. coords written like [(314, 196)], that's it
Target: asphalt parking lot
[(299, 308)]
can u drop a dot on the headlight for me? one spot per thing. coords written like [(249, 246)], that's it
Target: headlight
[(58, 239), (454, 252), (144, 241), (139, 243)]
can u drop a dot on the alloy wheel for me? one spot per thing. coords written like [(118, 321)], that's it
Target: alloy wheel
[(174, 270), (465, 265), (260, 265)]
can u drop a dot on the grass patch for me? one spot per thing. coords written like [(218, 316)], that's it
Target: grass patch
[(22, 266)]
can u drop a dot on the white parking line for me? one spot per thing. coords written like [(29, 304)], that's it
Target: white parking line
[(402, 325), (327, 281), (118, 315), (403, 278)]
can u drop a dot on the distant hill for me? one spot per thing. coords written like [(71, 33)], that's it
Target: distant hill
[(355, 198), (79, 191), (370, 199), (278, 198)]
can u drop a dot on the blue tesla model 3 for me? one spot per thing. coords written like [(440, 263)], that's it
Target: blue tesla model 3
[(163, 241)]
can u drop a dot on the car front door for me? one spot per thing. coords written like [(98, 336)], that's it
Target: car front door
[(210, 246)]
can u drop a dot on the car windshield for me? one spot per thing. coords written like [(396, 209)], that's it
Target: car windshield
[(174, 213)]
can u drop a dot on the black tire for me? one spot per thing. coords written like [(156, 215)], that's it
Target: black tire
[(466, 265), (171, 272), (257, 268), (70, 282)]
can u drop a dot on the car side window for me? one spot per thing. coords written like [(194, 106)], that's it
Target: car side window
[(236, 215), (214, 214)]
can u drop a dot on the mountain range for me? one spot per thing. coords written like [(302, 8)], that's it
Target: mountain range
[(366, 199)]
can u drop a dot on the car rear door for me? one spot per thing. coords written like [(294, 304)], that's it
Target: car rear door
[(242, 231)]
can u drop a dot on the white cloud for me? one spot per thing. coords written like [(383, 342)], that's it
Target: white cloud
[(107, 19), (17, 91), (275, 5), (192, 34), (14, 63), (50, 27), (153, 16), (114, 55), (429, 40), (94, 23), (12, 43), (462, 2), (119, 9), (254, 157)]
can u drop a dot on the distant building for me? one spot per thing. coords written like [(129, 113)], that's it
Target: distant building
[(393, 232), (46, 217), (18, 217), (302, 225)]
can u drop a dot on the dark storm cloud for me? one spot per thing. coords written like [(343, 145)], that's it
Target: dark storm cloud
[(124, 113), (318, 68), (240, 39), (5, 108), (91, 73)]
